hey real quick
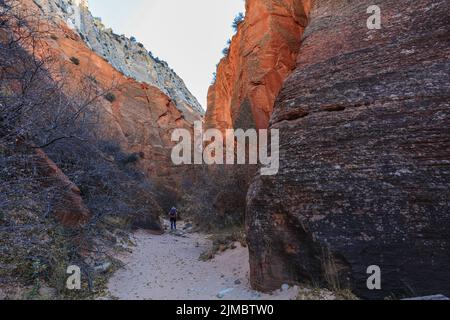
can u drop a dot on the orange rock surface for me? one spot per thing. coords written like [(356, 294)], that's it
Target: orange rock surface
[(262, 55), (141, 117)]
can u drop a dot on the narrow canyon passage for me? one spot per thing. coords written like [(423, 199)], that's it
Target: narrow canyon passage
[(168, 267), (349, 98)]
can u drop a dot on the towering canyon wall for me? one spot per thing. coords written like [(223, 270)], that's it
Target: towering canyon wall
[(139, 116), (109, 168), (125, 54), (365, 174), (261, 55)]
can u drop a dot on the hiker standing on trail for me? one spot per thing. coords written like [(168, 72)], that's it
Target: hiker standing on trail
[(173, 218)]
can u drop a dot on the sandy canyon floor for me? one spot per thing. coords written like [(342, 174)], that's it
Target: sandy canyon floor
[(168, 267)]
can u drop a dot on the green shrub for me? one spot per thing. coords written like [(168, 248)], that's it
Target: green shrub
[(92, 79), (110, 97), (75, 61), (237, 21)]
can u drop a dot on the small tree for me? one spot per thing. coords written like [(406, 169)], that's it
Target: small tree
[(75, 61), (237, 21), (111, 97)]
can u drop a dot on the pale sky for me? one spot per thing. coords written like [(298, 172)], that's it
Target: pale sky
[(189, 35)]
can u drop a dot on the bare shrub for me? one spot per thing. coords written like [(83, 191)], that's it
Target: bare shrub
[(39, 110), (75, 61)]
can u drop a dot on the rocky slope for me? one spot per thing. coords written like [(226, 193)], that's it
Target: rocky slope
[(110, 168), (126, 55), (137, 116), (141, 117), (261, 55), (364, 155)]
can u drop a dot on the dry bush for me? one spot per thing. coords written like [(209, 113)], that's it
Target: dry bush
[(215, 196), (223, 240), (39, 110)]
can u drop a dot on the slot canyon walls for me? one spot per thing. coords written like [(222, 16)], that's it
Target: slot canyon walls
[(363, 118), (365, 173), (261, 55)]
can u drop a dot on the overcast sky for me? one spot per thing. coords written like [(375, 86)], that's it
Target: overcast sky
[(189, 35)]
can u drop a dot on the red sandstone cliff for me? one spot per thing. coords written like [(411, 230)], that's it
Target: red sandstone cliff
[(364, 174), (262, 54), (141, 117), (138, 116)]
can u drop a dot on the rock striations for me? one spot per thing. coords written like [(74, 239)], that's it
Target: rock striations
[(261, 55), (125, 54), (138, 115), (365, 173)]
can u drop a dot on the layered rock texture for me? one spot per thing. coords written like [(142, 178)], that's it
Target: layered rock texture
[(261, 55), (124, 54), (137, 116), (365, 172)]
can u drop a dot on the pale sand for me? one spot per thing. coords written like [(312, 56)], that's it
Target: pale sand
[(168, 267)]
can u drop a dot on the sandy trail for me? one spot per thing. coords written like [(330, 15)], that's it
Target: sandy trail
[(167, 267)]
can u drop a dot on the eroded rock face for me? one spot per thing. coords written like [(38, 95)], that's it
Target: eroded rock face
[(364, 123), (126, 55), (261, 56), (139, 117)]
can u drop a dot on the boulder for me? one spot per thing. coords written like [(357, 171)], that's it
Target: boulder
[(261, 55)]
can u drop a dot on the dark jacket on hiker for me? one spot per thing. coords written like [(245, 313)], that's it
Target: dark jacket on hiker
[(173, 218)]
